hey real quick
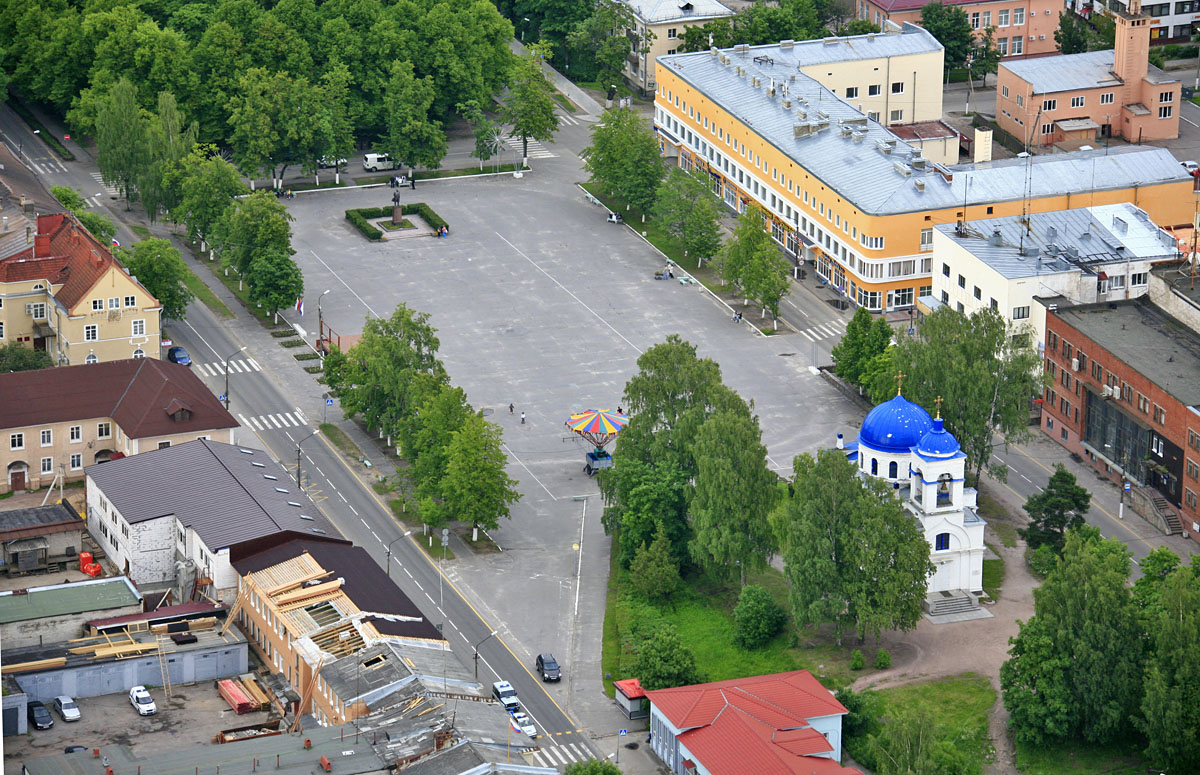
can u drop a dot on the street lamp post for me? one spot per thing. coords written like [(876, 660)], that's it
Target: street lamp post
[(477, 645), (320, 328), (298, 443), (240, 349), (388, 560), (526, 18)]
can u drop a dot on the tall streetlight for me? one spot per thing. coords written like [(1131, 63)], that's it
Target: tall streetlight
[(320, 328), (388, 560), (298, 443), (526, 18), (477, 645), (240, 349)]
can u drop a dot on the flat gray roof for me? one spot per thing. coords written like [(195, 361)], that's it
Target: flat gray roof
[(658, 11), (1152, 342), (1072, 72), (227, 494), (1098, 236), (871, 167), (62, 599)]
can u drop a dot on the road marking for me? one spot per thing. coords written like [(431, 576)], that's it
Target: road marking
[(255, 425), (537, 757), (343, 497), (254, 363), (353, 509), (300, 414), (292, 420), (377, 538), (1026, 478), (343, 282), (806, 336), (319, 471), (360, 519), (539, 481), (418, 584)]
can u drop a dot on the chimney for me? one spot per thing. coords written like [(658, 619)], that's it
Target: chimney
[(983, 145), (1051, 233), (841, 444), (41, 246), (1131, 45)]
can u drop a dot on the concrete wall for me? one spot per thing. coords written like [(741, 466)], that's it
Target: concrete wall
[(14, 712), (111, 677), (1174, 304)]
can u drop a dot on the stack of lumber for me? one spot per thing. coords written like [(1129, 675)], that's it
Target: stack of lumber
[(254, 691), (236, 695)]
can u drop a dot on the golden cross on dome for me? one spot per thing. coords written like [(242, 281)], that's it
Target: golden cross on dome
[(899, 379), (938, 401)]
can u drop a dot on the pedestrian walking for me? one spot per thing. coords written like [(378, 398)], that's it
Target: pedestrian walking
[(522, 418), (510, 408)]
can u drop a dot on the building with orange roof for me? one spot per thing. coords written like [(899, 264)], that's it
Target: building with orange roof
[(779, 724), (62, 291)]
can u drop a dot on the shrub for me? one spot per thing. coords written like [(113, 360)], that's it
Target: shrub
[(757, 618), (314, 369), (856, 660), (1042, 560), (306, 356), (292, 343), (883, 660), (360, 217), (859, 724), (282, 332), (359, 221)]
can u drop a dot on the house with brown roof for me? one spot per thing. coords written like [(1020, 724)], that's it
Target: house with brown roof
[(62, 291), (779, 724), (55, 422)]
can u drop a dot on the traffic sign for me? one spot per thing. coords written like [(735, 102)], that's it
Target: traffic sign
[(1128, 487), (623, 732), (221, 397), (328, 402)]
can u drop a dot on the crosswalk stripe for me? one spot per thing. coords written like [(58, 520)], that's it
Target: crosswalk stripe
[(570, 752), (254, 423), (243, 419), (582, 754), (235, 367), (805, 334), (291, 419), (537, 757), (254, 364), (300, 414), (825, 330), (557, 754), (274, 420)]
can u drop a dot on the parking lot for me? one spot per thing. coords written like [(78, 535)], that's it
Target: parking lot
[(192, 716)]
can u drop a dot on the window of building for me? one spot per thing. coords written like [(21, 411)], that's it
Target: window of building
[(1143, 404), (671, 33), (896, 116), (1106, 98), (1166, 96), (130, 301), (1018, 45), (1193, 470), (941, 542), (962, 282), (897, 87), (104, 430), (1190, 498), (873, 115), (16, 441), (926, 239), (76, 433), (1020, 313), (1049, 105), (1002, 17), (1077, 102), (139, 328), (975, 20), (1047, 129), (47, 465), (987, 19), (91, 333), (97, 305), (76, 461), (1020, 101), (139, 353), (1004, 91), (874, 90), (1138, 278), (1165, 111), (91, 358), (945, 298), (978, 293), (114, 303), (37, 310), (945, 270), (47, 437), (851, 92), (1160, 415), (1194, 439), (1018, 17), (1002, 47)]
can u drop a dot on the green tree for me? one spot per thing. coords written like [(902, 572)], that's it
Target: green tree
[(985, 56), (858, 27), (1072, 34), (255, 111), (426, 439), (642, 497), (865, 338), (1076, 667), (484, 130), (599, 42), (169, 141), (530, 104), (624, 158), (749, 238), (158, 266), (654, 571), (207, 187), (1172, 681), (413, 136), (950, 25), (987, 373), (16, 357), (122, 152), (911, 742), (259, 225), (382, 374), (765, 279), (100, 226), (476, 488), (853, 555), (1053, 511), (1157, 566), (664, 661), (688, 210), (274, 278), (757, 618), (592, 767), (734, 493)]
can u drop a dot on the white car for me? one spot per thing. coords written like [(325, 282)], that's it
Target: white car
[(329, 161), (1191, 166), (66, 708), (525, 724), (141, 699)]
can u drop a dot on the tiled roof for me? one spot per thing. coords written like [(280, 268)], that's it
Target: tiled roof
[(758, 724), (135, 393), (215, 489)]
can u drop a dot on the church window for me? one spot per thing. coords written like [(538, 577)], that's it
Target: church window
[(942, 542), (892, 470), (874, 467)]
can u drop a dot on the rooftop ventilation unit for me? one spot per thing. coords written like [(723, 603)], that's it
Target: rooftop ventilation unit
[(740, 71), (885, 146), (1051, 234), (786, 43), (1051, 249), (1072, 252), (859, 134), (832, 41), (822, 114), (919, 163), (1029, 251), (847, 130), (919, 184), (742, 48), (901, 167), (714, 51), (996, 240), (801, 112), (787, 103), (1120, 225)]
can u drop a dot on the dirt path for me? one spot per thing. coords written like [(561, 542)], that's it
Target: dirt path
[(980, 646)]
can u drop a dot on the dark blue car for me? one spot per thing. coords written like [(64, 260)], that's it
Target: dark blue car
[(180, 356)]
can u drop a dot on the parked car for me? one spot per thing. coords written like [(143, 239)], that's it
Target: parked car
[(507, 695), (525, 724), (74, 748), (329, 161), (66, 708), (39, 717), (1191, 166), (180, 356), (141, 699), (373, 162), (547, 667)]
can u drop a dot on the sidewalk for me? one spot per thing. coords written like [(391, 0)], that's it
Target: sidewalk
[(566, 86)]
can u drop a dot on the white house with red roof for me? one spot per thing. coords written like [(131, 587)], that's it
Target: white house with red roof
[(780, 724)]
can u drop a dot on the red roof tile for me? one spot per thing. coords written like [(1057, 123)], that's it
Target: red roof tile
[(758, 724), (135, 393)]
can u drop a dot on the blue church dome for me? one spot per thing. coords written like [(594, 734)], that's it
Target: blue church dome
[(938, 443), (895, 426)]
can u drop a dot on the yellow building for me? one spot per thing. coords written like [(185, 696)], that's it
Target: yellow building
[(843, 191), (659, 26), (63, 292)]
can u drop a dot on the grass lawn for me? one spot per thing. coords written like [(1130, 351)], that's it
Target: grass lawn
[(1006, 533), (206, 296), (339, 439), (1075, 758), (993, 577), (141, 231), (956, 701), (562, 100)]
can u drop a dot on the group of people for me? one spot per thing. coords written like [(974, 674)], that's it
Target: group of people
[(397, 181), (443, 231), (282, 194), (737, 317)]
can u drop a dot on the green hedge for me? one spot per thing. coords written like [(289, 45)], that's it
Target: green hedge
[(359, 217)]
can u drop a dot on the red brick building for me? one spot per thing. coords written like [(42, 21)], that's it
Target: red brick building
[(1125, 396)]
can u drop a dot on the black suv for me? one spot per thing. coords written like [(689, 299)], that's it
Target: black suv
[(39, 716), (547, 667)]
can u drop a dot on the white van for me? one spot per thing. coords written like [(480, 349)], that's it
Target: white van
[(373, 162), (506, 695)]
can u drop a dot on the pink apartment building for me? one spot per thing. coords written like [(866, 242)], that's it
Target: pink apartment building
[(1074, 100), (1023, 29)]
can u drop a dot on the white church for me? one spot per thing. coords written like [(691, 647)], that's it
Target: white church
[(900, 443)]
